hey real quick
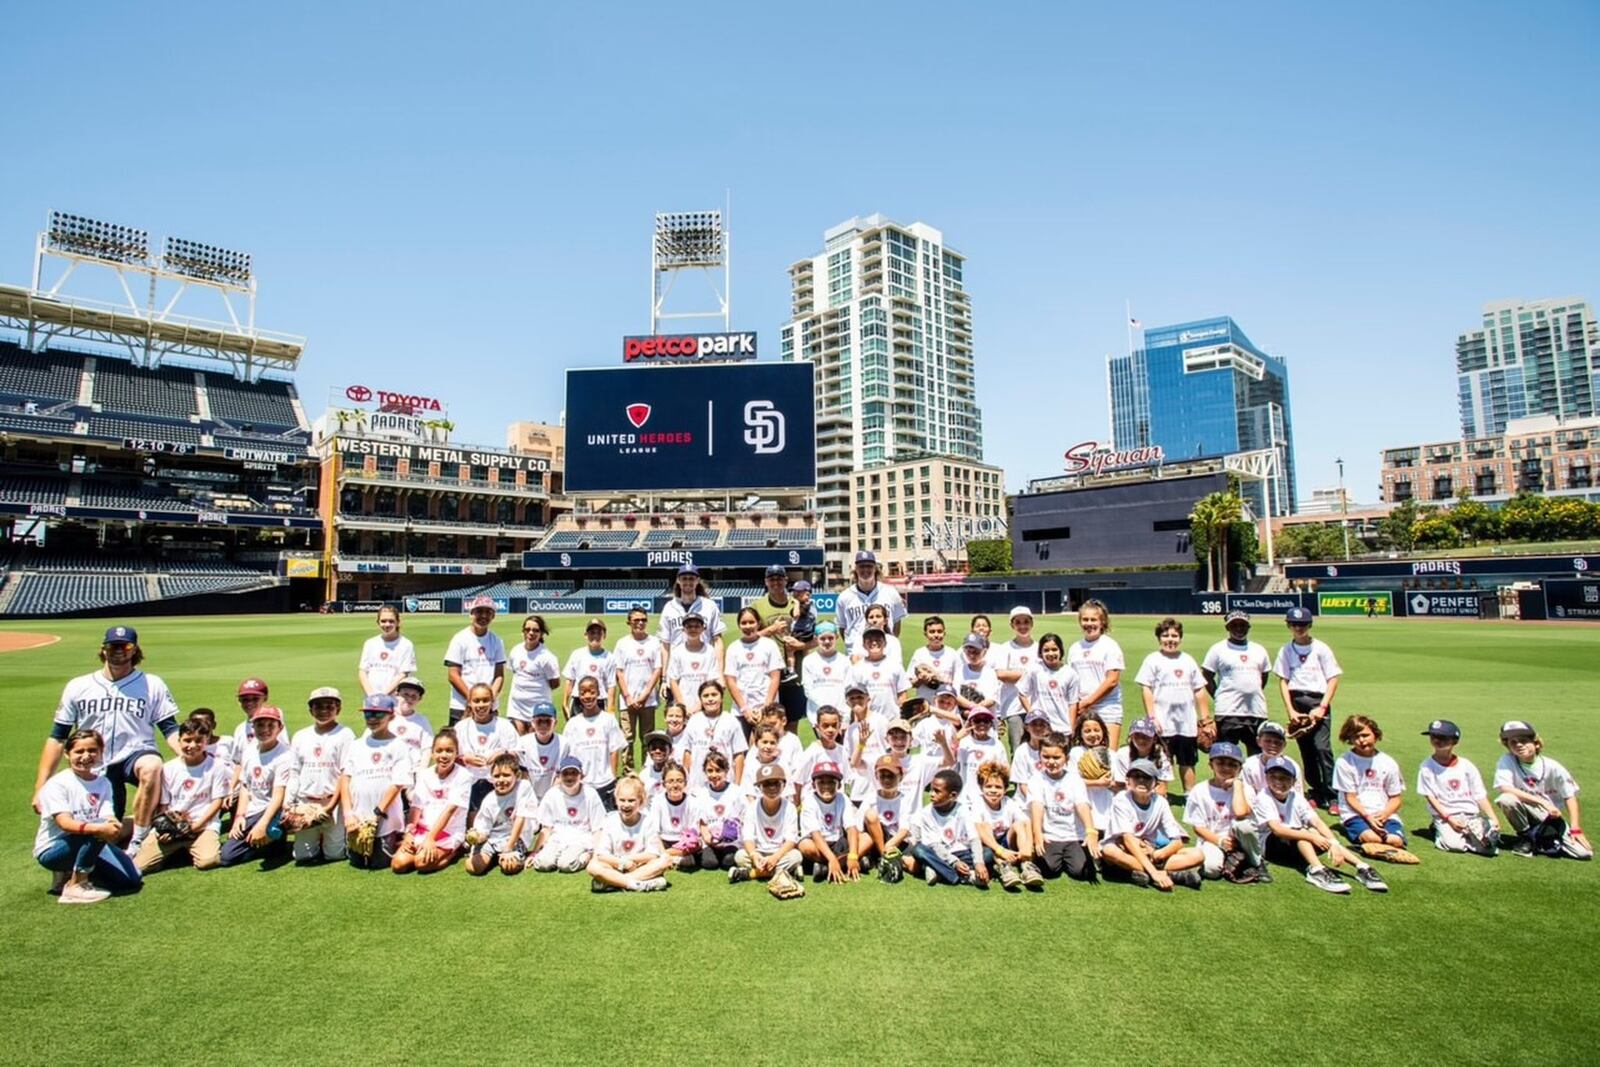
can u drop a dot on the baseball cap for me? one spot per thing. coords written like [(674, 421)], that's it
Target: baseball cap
[(1036, 715), (825, 627), (253, 685), (888, 763), (594, 624), (656, 737), (118, 635), (1146, 726), (544, 710), (689, 568), (326, 692), (770, 772), (694, 619), (569, 763), (777, 570), (1272, 728), (980, 713), (827, 769), (1515, 727), (412, 681), (1021, 609), (874, 631), (944, 691), (1144, 767), (1226, 750), (856, 687), (381, 702), (1236, 616), (802, 586), (1278, 763), (478, 603), (866, 557), (911, 706), (898, 724), (1298, 615), (267, 711), (975, 641), (1443, 728)]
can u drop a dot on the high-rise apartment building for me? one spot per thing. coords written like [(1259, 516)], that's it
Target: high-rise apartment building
[(883, 313), (1202, 389), (1530, 358)]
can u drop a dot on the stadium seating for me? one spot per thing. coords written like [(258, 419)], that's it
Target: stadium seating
[(591, 539), (167, 392), (41, 594), (40, 490), (263, 406), (190, 584), (206, 568), (107, 563), (46, 376), (99, 493), (20, 423), (630, 585), (116, 429), (773, 537), (295, 444), (680, 539)]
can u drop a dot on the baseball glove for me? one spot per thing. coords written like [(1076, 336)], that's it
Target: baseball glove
[(971, 692), (1093, 765), (1206, 734), (302, 816), (892, 869), (1300, 725), (731, 833), (1388, 853), (365, 839), (169, 826), (782, 886), (689, 841)]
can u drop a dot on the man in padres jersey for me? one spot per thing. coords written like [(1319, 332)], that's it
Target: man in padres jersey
[(127, 706)]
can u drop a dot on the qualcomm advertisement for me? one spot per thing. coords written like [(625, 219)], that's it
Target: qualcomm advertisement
[(732, 426)]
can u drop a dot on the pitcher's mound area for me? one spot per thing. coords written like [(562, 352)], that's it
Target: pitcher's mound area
[(20, 642)]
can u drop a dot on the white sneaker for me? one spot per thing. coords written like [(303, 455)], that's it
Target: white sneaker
[(82, 894), (650, 885), (1327, 881)]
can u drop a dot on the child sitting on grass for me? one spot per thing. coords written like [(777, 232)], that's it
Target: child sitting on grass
[(1297, 837), (1370, 788), (77, 831), (1463, 818), (627, 851), (1538, 796), (506, 820), (1144, 843), (438, 810), (770, 850), (943, 843), (568, 817)]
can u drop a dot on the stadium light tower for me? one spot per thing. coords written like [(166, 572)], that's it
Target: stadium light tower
[(685, 241)]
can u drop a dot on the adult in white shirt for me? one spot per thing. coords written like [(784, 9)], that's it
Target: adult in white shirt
[(850, 610), (689, 597), (1236, 674), (1011, 662), (476, 656), (388, 657)]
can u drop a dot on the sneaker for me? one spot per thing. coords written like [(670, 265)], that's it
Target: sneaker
[(1190, 878), (1370, 879), (1571, 849), (1140, 879), (820, 874), (1263, 875), (738, 874), (1333, 809), (650, 885), (1031, 876), (1010, 880), (58, 882), (82, 894), (597, 886), (1522, 846), (1327, 881), (929, 875)]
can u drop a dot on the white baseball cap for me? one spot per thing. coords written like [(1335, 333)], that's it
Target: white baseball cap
[(1021, 609)]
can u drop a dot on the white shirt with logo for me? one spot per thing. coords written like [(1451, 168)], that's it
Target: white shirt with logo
[(1173, 681), (386, 662), (1456, 789), (531, 675), (1093, 660), (1373, 779), (594, 739), (1239, 669), (477, 657), (67, 794)]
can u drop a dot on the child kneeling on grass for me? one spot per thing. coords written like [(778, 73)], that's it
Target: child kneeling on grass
[(1463, 819), (77, 831), (569, 815), (1538, 796), (1220, 812), (944, 844), (627, 850), (1063, 833), (770, 851), (1144, 843), (264, 773), (194, 789), (506, 820), (1298, 838), (1000, 824)]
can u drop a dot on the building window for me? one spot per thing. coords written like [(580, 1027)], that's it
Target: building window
[(1048, 533)]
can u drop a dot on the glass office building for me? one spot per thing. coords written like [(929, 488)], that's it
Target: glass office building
[(1531, 358), (1202, 389)]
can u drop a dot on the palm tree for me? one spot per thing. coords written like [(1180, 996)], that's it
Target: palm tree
[(1209, 525)]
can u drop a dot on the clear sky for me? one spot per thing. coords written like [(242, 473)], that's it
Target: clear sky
[(457, 200)]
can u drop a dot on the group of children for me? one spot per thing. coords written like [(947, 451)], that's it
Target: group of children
[(908, 773)]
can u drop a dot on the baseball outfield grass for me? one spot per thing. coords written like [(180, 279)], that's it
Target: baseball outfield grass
[(1466, 960)]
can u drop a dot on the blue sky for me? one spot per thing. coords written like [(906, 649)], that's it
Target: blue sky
[(458, 201)]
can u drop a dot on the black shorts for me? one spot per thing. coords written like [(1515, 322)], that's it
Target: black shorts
[(1185, 750), (121, 774)]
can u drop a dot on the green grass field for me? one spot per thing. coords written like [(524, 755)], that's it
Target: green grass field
[(1466, 960)]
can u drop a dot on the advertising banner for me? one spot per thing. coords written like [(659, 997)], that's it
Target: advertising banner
[(1572, 599), (548, 559), (1428, 603), (1369, 602)]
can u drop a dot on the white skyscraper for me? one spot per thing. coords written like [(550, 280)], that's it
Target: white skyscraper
[(883, 314)]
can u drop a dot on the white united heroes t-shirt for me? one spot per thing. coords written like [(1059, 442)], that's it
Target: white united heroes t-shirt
[(1053, 692), (823, 678), (1457, 788), (1058, 800), (1000, 821), (1154, 822), (619, 839), (317, 760), (540, 759), (823, 817), (1093, 660), (572, 818), (262, 772), (951, 829), (372, 767), (432, 795), (769, 832), (386, 662), (531, 675), (1307, 668), (1543, 777), (1173, 681), (751, 665), (1012, 656), (1210, 807), (893, 812), (1292, 811), (190, 790), (636, 662), (485, 741), (1239, 669), (67, 794), (593, 739), (1373, 779), (477, 658), (585, 664), (690, 669), (668, 820), (944, 663), (497, 813), (721, 732), (885, 681)]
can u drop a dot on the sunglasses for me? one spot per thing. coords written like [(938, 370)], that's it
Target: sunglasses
[(367, 714), (888, 776)]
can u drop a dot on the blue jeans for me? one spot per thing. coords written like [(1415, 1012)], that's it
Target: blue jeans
[(236, 850), (107, 865), (947, 874), (1358, 826)]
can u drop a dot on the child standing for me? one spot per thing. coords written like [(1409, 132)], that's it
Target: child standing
[(1308, 676), (1052, 686), (1025, 758), (1175, 696), (541, 751), (77, 831), (1236, 673), (934, 664), (865, 739), (627, 852), (1538, 796), (770, 850), (977, 745), (506, 822), (592, 661), (1098, 662), (592, 735), (1370, 786), (1145, 843), (1012, 663), (1295, 837), (1463, 819), (438, 810), (882, 676), (691, 663), (1090, 761), (194, 789), (710, 731), (823, 673), (410, 724), (639, 658), (568, 816), (535, 674)]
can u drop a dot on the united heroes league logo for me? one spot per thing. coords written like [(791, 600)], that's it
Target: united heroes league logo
[(766, 431)]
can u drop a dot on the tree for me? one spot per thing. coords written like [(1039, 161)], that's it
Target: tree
[(1394, 529), (1526, 517), (988, 557), (1474, 520), (1210, 524), (1310, 541), (1435, 531)]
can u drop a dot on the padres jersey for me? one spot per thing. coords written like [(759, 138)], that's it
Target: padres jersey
[(125, 712)]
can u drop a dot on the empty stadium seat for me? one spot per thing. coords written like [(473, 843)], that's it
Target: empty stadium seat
[(122, 387), (37, 423), (43, 376), (680, 539), (114, 428), (34, 490), (49, 594), (264, 406), (591, 539)]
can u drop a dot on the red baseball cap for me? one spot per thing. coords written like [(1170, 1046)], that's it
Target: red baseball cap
[(267, 711), (253, 685)]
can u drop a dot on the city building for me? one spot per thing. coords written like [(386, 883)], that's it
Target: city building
[(1530, 358), (544, 440), (1542, 454), (1329, 500), (884, 315), (919, 515), (1201, 389)]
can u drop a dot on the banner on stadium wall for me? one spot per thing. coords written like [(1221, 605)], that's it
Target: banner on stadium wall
[(302, 568), (1423, 603), (726, 426), (1572, 599), (502, 604), (636, 559), (172, 518), (422, 455), (1356, 603), (620, 605), (372, 568), (454, 568), (423, 604), (824, 603), (562, 606), (1576, 566), (1267, 604)]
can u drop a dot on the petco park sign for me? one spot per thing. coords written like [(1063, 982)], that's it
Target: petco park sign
[(690, 348), (405, 403), (1093, 458)]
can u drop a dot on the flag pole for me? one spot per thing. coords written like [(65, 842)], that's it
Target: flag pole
[(1128, 305)]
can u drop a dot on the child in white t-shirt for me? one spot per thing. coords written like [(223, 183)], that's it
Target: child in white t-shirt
[(1061, 823), (506, 822), (194, 787), (942, 837), (770, 849), (672, 817), (568, 817), (1221, 813), (719, 805), (541, 750), (824, 836), (1000, 826), (1144, 842), (1100, 788), (1463, 818), (438, 811), (77, 832), (976, 744), (627, 852), (1175, 696), (1370, 787), (1294, 836), (879, 827), (1538, 797)]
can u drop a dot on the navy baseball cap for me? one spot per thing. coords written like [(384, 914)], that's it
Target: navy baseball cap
[(777, 570), (1278, 763), (802, 586), (544, 710), (975, 641), (382, 703), (1443, 728), (944, 691), (1298, 616), (689, 568), (657, 737), (1226, 750), (121, 635), (866, 557), (570, 763), (1146, 726)]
